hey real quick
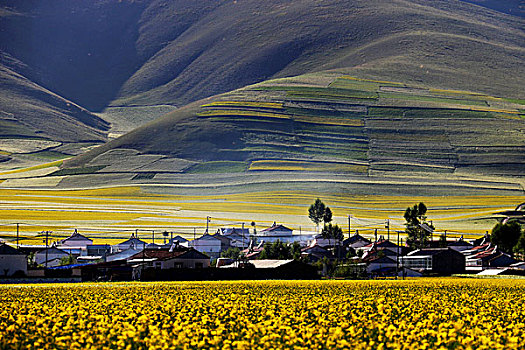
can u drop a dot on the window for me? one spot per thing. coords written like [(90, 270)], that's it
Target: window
[(417, 262), (199, 265), (177, 265)]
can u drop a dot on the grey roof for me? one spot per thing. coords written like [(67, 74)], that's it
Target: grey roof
[(269, 264), (8, 250), (53, 250), (429, 251)]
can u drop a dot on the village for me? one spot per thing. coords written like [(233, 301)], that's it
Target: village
[(275, 252)]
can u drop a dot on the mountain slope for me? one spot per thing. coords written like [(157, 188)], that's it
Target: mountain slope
[(33, 119), (444, 43), (154, 52), (328, 128)]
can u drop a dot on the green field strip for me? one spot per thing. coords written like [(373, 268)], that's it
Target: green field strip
[(514, 100), (50, 155), (297, 165), (78, 171), (245, 104), (407, 96), (403, 112), (214, 167), (236, 113), (328, 129), (323, 113), (217, 114), (410, 168)]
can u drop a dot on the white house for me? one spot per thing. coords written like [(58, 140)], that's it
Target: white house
[(52, 257), (76, 240), (11, 261), (207, 244), (276, 233)]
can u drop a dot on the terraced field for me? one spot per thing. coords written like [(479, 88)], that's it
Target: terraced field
[(324, 135)]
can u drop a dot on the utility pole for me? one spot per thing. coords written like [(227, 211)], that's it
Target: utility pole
[(375, 235), (153, 236), (403, 264), (388, 229), (47, 237), (242, 230), (349, 234), (17, 235), (397, 255), (194, 233), (207, 222)]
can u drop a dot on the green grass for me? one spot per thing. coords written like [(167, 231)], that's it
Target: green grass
[(445, 100), (217, 167), (78, 171), (51, 155)]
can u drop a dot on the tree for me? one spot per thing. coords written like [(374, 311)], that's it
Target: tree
[(443, 241), (319, 212), (276, 250), (415, 218), (506, 236), (232, 253), (519, 248), (281, 251), (332, 232), (67, 260), (327, 217)]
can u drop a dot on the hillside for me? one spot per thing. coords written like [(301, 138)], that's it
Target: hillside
[(36, 124), (325, 126), (159, 52)]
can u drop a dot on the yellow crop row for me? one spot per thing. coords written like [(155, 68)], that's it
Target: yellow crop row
[(304, 119), (36, 167), (244, 104), (410, 314), (217, 113)]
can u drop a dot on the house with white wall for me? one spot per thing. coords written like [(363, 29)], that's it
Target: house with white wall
[(76, 240), (207, 244), (51, 255)]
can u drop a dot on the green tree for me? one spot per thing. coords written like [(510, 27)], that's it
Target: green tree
[(327, 217), (506, 236), (295, 250), (232, 253), (417, 236), (319, 212), (519, 248), (332, 232), (276, 250), (443, 241), (67, 260)]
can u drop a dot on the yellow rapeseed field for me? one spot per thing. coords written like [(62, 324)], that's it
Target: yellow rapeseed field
[(410, 314)]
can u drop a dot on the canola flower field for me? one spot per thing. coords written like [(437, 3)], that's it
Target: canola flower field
[(411, 314)]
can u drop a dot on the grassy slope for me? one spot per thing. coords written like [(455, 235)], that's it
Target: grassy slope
[(173, 52), (330, 123), (445, 44)]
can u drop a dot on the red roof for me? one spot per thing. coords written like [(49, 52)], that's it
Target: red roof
[(159, 254)]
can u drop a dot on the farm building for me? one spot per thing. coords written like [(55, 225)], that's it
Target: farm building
[(276, 233), (12, 261), (441, 261), (133, 242), (50, 255), (76, 240), (208, 244)]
